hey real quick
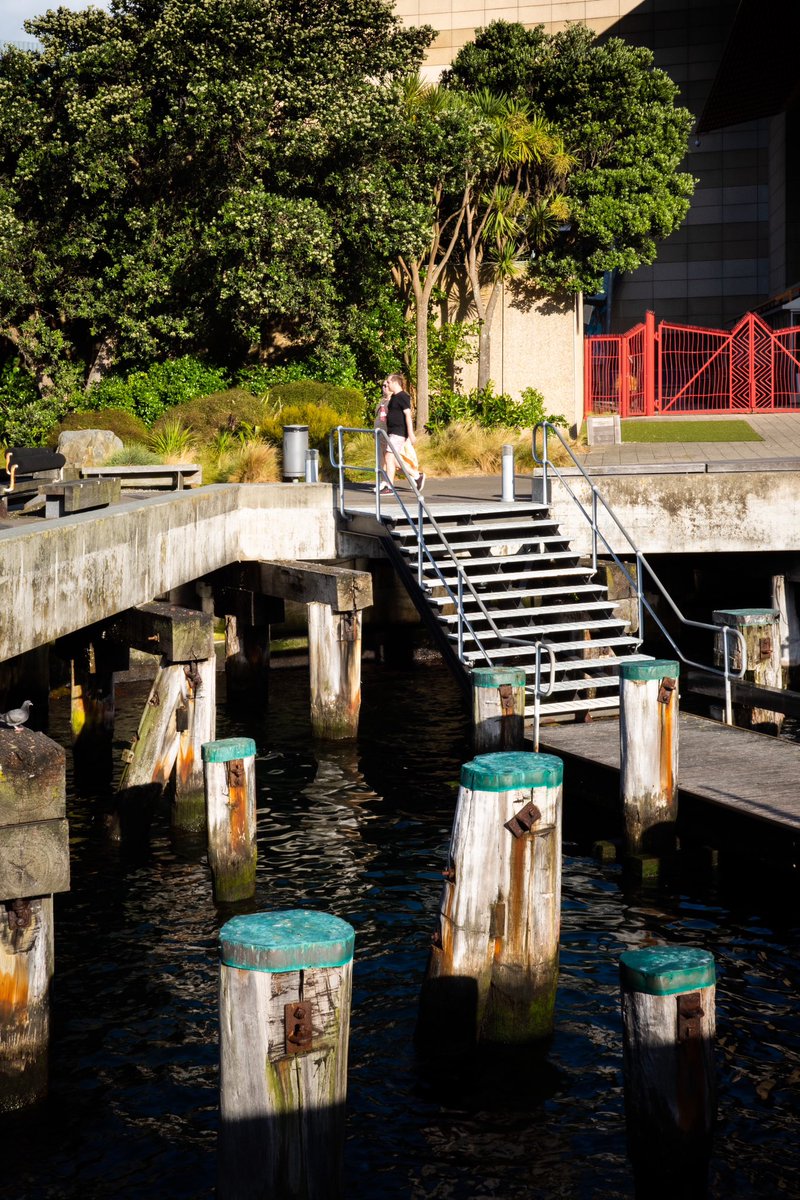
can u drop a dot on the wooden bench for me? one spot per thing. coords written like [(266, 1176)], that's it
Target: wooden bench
[(63, 497), (174, 476), (26, 469)]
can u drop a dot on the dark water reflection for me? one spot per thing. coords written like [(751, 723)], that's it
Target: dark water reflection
[(361, 831)]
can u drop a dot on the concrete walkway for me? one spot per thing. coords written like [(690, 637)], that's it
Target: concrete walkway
[(781, 444)]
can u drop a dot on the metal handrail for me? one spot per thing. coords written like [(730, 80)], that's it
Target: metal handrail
[(423, 552), (642, 564)]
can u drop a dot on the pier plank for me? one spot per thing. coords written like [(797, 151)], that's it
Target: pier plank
[(750, 773)]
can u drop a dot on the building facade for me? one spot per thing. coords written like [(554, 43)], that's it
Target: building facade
[(736, 247)]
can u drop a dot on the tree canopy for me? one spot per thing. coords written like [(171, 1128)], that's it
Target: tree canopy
[(179, 176), (618, 117)]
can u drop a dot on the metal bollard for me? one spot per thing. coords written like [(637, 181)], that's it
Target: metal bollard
[(295, 446), (312, 466), (508, 474)]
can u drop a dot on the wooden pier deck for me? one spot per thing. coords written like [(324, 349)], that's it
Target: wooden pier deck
[(750, 776)]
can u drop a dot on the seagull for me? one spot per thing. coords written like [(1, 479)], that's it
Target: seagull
[(16, 717)]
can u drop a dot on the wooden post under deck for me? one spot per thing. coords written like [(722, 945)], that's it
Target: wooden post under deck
[(760, 628), (334, 659)]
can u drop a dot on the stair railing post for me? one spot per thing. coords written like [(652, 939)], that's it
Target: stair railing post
[(640, 595), (377, 476), (537, 696), (594, 528), (420, 543), (726, 662), (460, 617)]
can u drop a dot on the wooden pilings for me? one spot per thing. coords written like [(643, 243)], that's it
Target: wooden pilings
[(760, 628), (285, 991), (334, 660), (493, 967), (34, 863), (246, 660), (648, 731), (180, 713), (668, 996), (498, 709), (230, 783)]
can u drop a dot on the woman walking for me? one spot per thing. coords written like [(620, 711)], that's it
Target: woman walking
[(400, 431)]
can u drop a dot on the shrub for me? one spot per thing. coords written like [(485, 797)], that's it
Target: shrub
[(320, 419), (347, 403), (163, 385), (134, 455), (490, 409), (229, 411), (124, 424)]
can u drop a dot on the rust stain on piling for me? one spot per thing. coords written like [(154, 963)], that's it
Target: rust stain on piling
[(666, 714), (237, 805), (13, 991), (516, 916)]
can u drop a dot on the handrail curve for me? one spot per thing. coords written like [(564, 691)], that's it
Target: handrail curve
[(544, 462), (337, 460)]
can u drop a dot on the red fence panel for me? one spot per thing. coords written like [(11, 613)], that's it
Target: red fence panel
[(686, 369)]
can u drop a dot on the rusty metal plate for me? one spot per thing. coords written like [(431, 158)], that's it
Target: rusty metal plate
[(666, 689), (297, 1026), (506, 699), (181, 718), (690, 1015), (235, 772), (765, 648), (522, 821)]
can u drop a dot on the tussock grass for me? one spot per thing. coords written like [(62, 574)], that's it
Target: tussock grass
[(254, 462)]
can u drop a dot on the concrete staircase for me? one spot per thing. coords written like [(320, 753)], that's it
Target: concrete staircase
[(533, 585)]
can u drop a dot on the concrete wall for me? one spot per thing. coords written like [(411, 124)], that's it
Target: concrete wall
[(62, 576), (537, 341), (697, 512)]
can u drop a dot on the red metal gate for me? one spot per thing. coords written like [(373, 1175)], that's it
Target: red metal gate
[(682, 368)]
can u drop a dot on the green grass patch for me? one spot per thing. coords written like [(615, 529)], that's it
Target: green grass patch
[(689, 431)]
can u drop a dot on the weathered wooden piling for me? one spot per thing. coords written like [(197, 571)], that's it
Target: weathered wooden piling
[(668, 995), (34, 863), (230, 783), (334, 660), (196, 720), (246, 660), (180, 713), (93, 662), (498, 709), (493, 967), (760, 628), (648, 733), (784, 599), (335, 597), (285, 989)]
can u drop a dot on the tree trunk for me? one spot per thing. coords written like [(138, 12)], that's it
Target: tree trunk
[(485, 338), (422, 365), (105, 351)]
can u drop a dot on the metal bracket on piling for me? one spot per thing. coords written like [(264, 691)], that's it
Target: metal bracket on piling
[(297, 1026), (666, 689), (690, 1012), (522, 821)]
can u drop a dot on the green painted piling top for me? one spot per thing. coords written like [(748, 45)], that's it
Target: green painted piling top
[(656, 668), (666, 970), (745, 616), (491, 677), (296, 939), (228, 749), (510, 770)]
